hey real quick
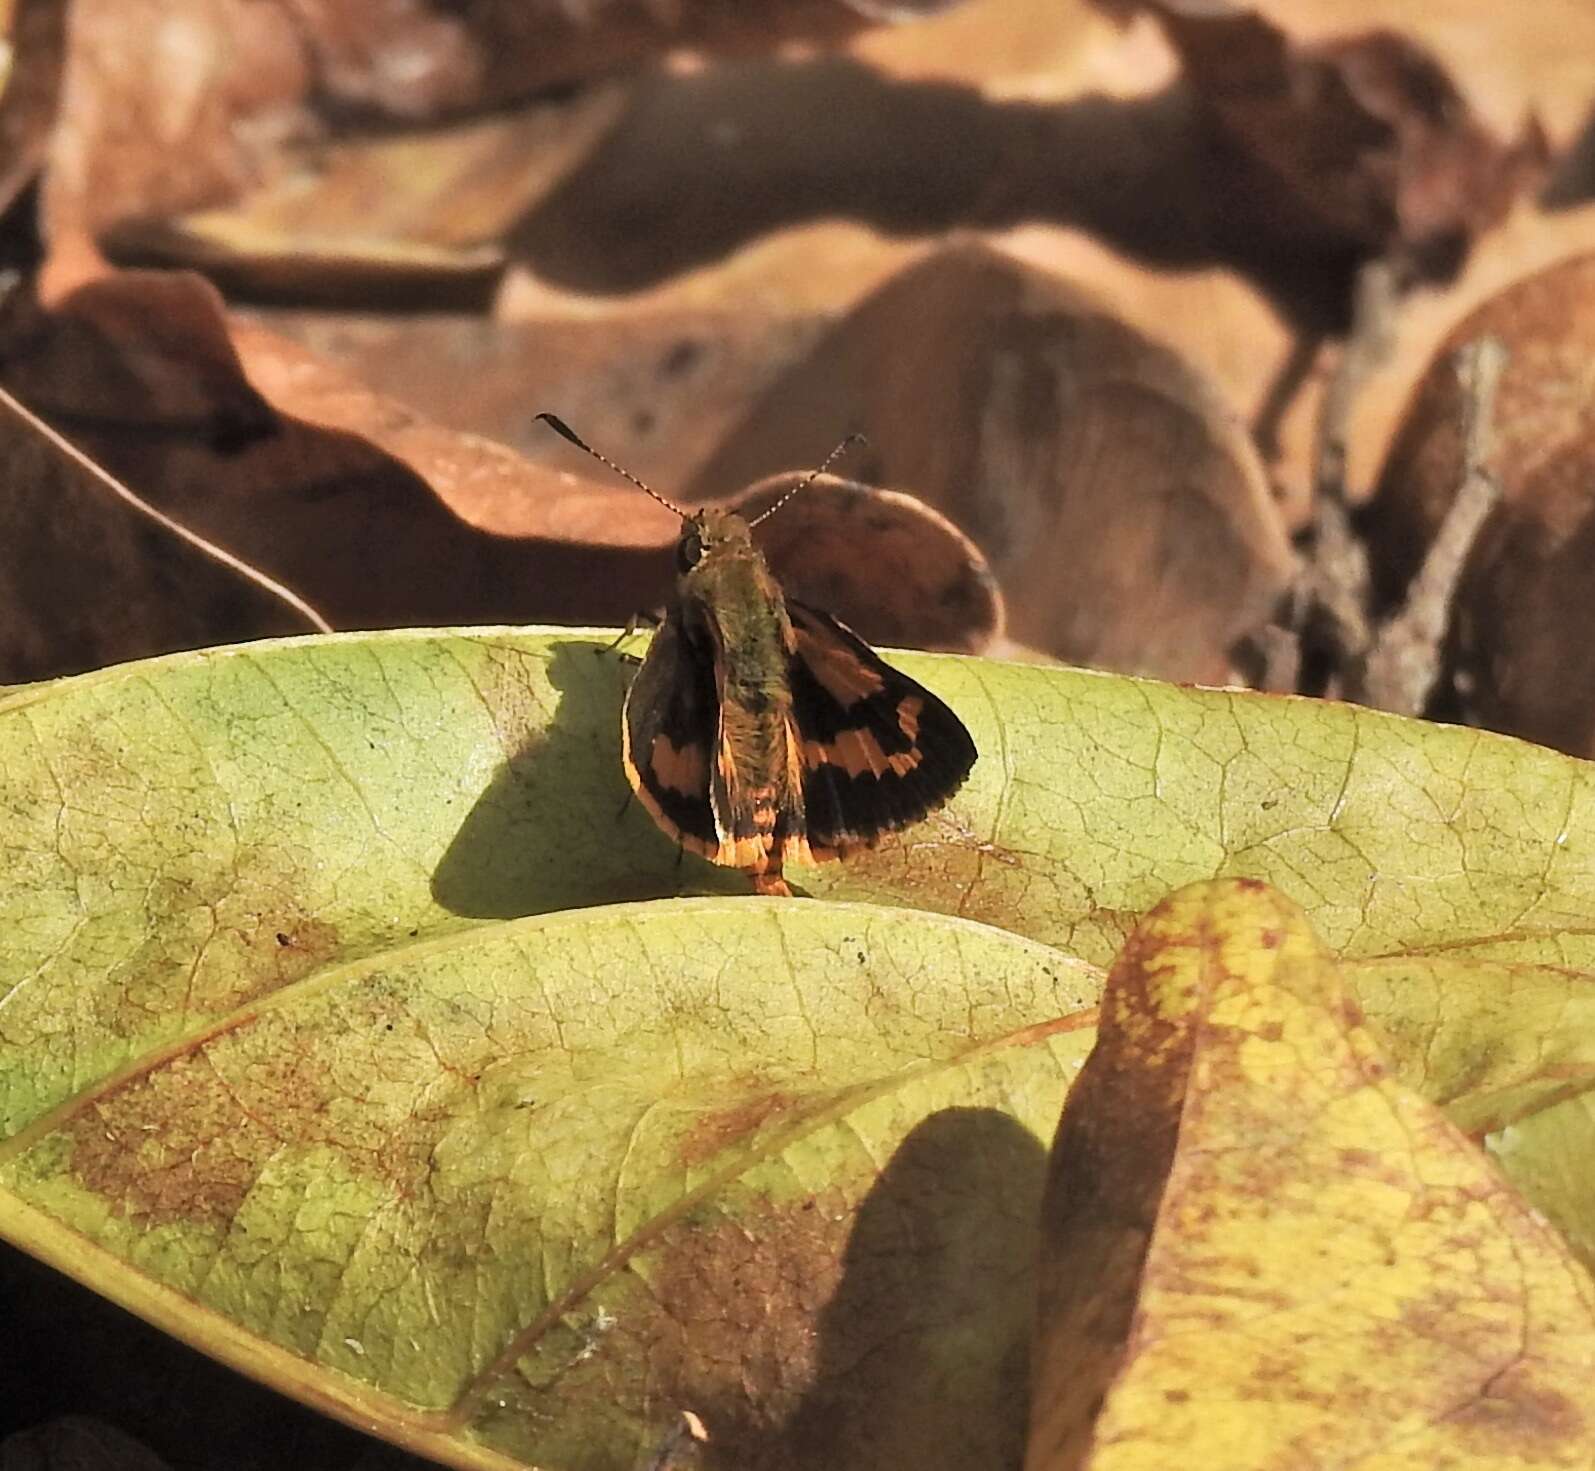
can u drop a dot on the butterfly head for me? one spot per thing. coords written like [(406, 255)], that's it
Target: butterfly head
[(711, 536)]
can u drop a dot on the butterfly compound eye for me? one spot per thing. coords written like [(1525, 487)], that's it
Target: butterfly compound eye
[(689, 551)]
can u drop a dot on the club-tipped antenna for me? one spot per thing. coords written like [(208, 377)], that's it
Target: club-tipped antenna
[(847, 443), (561, 428)]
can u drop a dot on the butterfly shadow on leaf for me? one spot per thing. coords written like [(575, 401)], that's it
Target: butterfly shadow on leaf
[(556, 828), (923, 1349)]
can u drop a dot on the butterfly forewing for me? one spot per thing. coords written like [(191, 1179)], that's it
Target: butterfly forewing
[(880, 751), (671, 706)]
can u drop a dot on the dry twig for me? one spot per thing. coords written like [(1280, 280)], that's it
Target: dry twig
[(155, 514), (1338, 591), (1400, 669)]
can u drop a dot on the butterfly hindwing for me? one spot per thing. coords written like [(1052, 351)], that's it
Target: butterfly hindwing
[(669, 724), (879, 750)]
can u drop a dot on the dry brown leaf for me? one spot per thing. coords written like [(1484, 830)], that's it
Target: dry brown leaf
[(1123, 511), (373, 220), (354, 508), (654, 390), (1520, 641), (86, 582), (1258, 1249), (486, 485), (885, 563), (30, 75), (1529, 241), (1371, 147), (1546, 321), (375, 515), (1216, 320), (167, 107), (176, 105), (1196, 172)]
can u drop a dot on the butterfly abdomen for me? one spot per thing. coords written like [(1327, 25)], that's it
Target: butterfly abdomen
[(758, 787)]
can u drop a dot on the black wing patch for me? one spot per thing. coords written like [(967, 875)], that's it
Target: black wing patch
[(879, 750), (669, 728)]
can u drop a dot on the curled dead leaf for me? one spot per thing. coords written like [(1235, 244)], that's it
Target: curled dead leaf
[(373, 514), (1123, 510), (351, 500), (1519, 644), (883, 562), (1260, 1249)]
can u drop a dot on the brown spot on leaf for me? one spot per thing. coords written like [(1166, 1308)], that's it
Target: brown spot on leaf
[(721, 1128), (886, 1328), (742, 1296), (174, 1147), (185, 1142), (1510, 1414)]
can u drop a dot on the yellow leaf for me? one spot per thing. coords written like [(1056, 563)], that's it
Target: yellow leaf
[(1260, 1249)]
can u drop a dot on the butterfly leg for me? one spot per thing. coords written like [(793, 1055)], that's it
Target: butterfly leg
[(653, 620), (771, 883)]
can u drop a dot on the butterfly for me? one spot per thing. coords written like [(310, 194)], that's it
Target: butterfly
[(760, 732)]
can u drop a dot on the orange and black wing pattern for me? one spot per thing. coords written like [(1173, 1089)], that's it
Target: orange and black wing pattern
[(667, 731), (879, 750)]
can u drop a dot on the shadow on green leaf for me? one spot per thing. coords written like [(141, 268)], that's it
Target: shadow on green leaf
[(556, 827), (922, 1358)]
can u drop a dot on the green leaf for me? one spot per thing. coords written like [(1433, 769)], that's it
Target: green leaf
[(230, 872), (534, 1188)]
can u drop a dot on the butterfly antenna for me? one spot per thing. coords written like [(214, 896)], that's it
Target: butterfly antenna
[(812, 476), (561, 428)]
